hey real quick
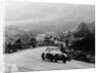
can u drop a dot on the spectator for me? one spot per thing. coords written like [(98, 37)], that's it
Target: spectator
[(33, 42)]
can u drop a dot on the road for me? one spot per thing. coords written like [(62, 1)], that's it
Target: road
[(30, 60)]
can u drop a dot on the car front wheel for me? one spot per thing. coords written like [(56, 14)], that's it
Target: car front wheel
[(43, 58), (56, 56), (64, 59)]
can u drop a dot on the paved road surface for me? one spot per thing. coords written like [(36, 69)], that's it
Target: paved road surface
[(30, 60)]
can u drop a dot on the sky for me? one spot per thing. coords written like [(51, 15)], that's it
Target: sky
[(17, 12)]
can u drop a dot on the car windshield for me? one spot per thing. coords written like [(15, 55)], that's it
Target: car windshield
[(52, 49)]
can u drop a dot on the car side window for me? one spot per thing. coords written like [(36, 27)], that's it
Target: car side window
[(48, 49)]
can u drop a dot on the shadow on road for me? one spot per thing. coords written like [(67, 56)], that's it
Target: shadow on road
[(60, 62)]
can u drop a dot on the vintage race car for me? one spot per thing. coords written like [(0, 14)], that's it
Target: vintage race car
[(54, 54)]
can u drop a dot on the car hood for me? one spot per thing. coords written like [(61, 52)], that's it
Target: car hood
[(57, 52)]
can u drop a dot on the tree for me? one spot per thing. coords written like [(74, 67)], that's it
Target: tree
[(33, 42), (18, 44), (8, 49)]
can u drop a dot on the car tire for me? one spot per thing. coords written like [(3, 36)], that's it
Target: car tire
[(56, 56), (64, 61), (43, 58)]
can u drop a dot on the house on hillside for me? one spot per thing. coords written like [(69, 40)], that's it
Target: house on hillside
[(40, 37)]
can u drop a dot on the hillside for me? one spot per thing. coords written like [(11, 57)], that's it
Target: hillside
[(85, 30)]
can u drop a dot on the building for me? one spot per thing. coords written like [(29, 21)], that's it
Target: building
[(40, 37)]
